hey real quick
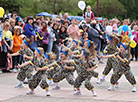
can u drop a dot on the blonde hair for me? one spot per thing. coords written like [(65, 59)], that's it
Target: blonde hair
[(92, 49), (88, 6), (52, 56), (11, 20), (6, 24)]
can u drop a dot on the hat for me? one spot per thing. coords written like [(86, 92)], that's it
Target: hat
[(19, 19)]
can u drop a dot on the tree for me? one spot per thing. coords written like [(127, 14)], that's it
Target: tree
[(131, 7), (11, 5), (58, 6), (30, 8), (110, 8)]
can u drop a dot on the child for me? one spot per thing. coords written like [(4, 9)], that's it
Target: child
[(66, 70), (111, 48), (124, 68), (37, 62), (85, 72), (51, 71), (84, 68), (17, 42), (26, 71), (91, 47)]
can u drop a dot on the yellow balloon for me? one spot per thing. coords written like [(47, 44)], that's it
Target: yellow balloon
[(132, 44), (1, 12)]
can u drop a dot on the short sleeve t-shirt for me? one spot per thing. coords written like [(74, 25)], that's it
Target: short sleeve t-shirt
[(7, 35)]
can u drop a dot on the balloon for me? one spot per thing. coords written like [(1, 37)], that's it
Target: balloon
[(1, 12), (109, 30), (81, 5), (125, 28), (132, 44)]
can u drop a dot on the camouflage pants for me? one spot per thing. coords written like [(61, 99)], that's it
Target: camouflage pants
[(50, 74), (95, 74), (111, 63), (61, 75), (25, 73), (36, 79), (87, 84), (128, 74)]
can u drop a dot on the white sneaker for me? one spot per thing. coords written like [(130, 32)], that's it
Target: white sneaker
[(0, 72), (74, 89), (99, 81), (14, 70), (31, 92), (94, 93), (19, 86), (111, 88), (77, 93), (134, 89), (47, 93), (50, 82), (117, 85)]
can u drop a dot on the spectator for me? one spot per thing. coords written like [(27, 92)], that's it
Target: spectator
[(38, 22), (63, 35), (19, 23), (95, 36), (1, 37), (51, 37), (88, 22), (115, 27), (17, 42), (12, 23), (44, 32), (134, 51), (29, 30), (125, 35), (89, 13), (57, 40), (66, 23), (8, 45), (73, 30), (14, 15), (64, 17)]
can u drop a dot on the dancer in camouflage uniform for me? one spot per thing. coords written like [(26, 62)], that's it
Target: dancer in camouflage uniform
[(26, 71), (123, 68)]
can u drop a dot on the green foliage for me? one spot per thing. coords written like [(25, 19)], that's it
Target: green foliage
[(11, 5), (57, 6), (131, 7), (110, 8), (107, 8)]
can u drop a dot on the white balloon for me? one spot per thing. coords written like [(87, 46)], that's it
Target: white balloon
[(109, 30), (81, 5)]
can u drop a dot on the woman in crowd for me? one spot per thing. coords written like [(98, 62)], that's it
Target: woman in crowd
[(45, 34), (57, 40), (51, 37), (8, 45), (63, 34), (73, 30)]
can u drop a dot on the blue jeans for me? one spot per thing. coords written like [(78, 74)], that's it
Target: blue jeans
[(50, 45)]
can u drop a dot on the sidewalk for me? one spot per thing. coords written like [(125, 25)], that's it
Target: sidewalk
[(123, 94)]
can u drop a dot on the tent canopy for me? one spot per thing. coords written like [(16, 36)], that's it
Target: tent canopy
[(43, 14)]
